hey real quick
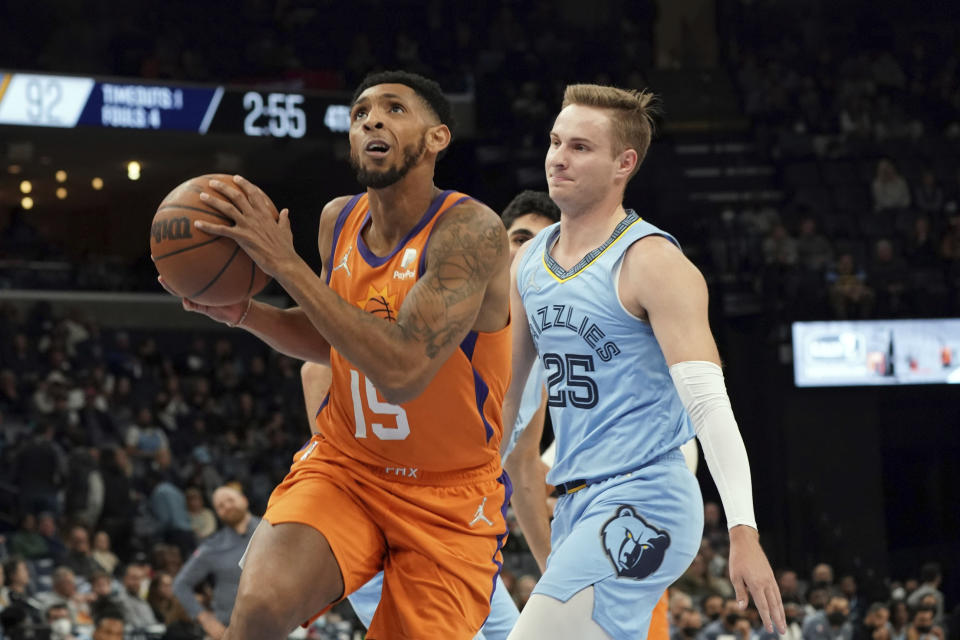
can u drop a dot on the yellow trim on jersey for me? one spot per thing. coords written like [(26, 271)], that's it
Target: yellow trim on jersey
[(579, 271), (7, 77)]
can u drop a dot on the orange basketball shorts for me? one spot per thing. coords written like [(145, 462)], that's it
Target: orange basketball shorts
[(437, 538)]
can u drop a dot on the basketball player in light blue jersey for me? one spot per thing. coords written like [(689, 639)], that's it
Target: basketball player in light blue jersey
[(618, 317), (526, 215)]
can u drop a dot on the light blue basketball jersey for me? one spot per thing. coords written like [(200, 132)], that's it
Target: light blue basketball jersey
[(529, 403), (612, 402)]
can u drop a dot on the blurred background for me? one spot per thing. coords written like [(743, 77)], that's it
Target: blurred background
[(807, 157)]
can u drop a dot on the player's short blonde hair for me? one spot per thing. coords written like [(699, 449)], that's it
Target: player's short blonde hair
[(631, 114)]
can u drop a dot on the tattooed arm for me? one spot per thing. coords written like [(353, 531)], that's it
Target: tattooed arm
[(465, 287)]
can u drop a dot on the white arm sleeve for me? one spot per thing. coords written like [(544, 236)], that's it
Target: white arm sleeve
[(704, 395)]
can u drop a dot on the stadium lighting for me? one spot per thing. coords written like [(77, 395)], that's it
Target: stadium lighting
[(26, 203), (97, 184), (61, 175), (61, 193), (26, 186), (133, 170)]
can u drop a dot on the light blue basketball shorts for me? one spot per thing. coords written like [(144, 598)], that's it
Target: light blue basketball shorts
[(630, 536), (503, 611)]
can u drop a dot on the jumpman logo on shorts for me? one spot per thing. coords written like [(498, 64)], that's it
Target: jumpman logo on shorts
[(343, 261), (479, 515)]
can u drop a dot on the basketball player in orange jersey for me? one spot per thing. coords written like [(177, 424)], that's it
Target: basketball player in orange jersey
[(411, 312)]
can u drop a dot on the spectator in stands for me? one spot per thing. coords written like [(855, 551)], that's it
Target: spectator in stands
[(814, 252), (118, 501), (921, 251), (929, 197), (850, 296), (14, 620), (38, 470), (716, 562), (47, 528), (102, 554), (922, 626), (817, 598), (102, 585), (790, 585), (17, 590), (890, 190), (889, 278), (830, 624), (779, 247), (848, 588), (691, 624), (64, 592), (166, 558), (79, 557), (875, 624), (899, 618), (202, 520), (218, 556), (136, 612), (680, 602), (58, 619), (726, 624), (793, 612), (714, 528), (930, 579), (12, 401), (165, 606), (109, 622), (83, 491), (698, 582), (822, 577), (27, 541), (712, 608), (168, 505), (144, 438)]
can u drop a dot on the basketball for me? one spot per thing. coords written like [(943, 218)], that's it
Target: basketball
[(208, 269)]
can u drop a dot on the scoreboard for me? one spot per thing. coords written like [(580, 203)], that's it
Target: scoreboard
[(42, 100)]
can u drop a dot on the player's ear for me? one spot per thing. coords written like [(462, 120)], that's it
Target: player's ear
[(627, 162), (438, 138)]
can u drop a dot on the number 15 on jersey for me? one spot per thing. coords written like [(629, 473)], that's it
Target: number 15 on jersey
[(365, 390)]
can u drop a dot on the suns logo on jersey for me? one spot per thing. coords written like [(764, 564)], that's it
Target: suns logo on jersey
[(380, 302)]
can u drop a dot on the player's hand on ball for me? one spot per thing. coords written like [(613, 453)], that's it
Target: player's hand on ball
[(751, 574), (266, 239), (230, 314)]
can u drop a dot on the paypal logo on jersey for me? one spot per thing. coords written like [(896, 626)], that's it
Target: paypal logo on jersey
[(635, 548), (564, 316)]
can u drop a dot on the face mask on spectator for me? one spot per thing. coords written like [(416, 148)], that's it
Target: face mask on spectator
[(691, 632), (731, 618), (924, 629), (836, 618), (61, 627)]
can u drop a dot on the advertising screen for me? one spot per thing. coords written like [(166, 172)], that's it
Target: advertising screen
[(876, 352)]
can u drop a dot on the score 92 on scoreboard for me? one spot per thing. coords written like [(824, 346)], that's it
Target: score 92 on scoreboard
[(41, 100)]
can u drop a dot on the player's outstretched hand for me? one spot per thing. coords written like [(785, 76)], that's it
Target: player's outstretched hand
[(266, 239), (751, 574), (230, 314)]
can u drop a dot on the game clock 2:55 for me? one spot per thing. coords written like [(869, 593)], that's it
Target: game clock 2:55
[(277, 115)]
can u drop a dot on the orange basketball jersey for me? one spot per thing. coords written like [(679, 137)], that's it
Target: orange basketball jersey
[(455, 424)]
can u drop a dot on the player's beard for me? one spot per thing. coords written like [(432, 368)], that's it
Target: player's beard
[(374, 179)]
